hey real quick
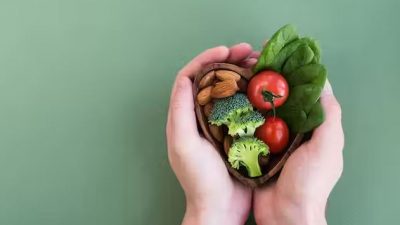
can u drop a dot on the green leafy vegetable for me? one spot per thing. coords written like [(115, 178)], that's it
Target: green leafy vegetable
[(302, 56), (315, 118), (281, 38), (302, 111), (297, 59), (289, 49), (245, 151), (316, 49), (312, 73)]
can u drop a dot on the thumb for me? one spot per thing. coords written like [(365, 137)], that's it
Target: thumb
[(330, 131), (181, 116)]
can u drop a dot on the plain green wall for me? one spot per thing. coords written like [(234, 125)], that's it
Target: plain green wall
[(84, 89)]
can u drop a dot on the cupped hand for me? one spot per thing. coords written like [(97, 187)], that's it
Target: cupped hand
[(212, 195), (301, 192)]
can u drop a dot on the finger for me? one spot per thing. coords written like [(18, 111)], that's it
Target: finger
[(213, 55), (181, 116), (239, 53), (331, 129), (251, 60), (247, 63), (333, 112), (255, 54)]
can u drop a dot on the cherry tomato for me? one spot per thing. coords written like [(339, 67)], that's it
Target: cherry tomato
[(267, 90), (275, 133)]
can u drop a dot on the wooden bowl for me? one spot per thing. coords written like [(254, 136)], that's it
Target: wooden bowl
[(270, 166)]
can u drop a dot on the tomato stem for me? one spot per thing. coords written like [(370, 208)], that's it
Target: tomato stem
[(270, 97)]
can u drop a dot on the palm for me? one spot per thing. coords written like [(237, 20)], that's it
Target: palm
[(212, 178), (301, 171), (196, 163), (297, 181), (219, 177), (311, 171)]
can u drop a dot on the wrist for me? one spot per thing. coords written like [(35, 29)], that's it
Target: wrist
[(289, 213), (211, 214), (308, 214)]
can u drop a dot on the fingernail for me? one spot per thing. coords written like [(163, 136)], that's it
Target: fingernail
[(242, 44), (251, 60), (327, 88)]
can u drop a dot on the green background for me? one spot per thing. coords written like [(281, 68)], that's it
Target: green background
[(84, 89)]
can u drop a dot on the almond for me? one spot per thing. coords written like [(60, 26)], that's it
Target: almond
[(207, 80), (224, 89), (242, 84), (207, 109), (227, 143), (227, 75), (216, 132), (204, 96)]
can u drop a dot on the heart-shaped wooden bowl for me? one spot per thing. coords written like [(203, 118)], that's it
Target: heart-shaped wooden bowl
[(270, 165)]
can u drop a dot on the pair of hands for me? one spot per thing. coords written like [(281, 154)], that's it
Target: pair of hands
[(213, 197)]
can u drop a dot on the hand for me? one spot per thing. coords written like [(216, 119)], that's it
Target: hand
[(300, 195), (212, 196)]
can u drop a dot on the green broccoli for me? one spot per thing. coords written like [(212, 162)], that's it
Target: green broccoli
[(245, 151), (246, 124), (229, 109), (236, 112)]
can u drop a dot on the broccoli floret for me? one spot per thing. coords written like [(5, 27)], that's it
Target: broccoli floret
[(236, 112), (229, 109), (245, 151), (246, 124)]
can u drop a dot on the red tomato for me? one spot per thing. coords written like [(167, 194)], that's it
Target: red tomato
[(275, 133), (267, 88)]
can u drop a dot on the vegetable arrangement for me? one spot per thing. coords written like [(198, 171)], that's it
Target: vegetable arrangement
[(257, 118), (298, 60)]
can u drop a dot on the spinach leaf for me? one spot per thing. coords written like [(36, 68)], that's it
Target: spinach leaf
[(316, 49), (311, 73), (289, 49), (298, 60), (314, 119), (302, 111), (282, 37), (302, 56)]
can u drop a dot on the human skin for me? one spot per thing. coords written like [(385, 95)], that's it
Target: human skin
[(301, 192), (213, 196)]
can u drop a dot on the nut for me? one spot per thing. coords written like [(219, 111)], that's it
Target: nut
[(227, 75), (207, 80), (204, 96), (242, 84), (216, 132), (227, 143), (224, 89), (207, 109)]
